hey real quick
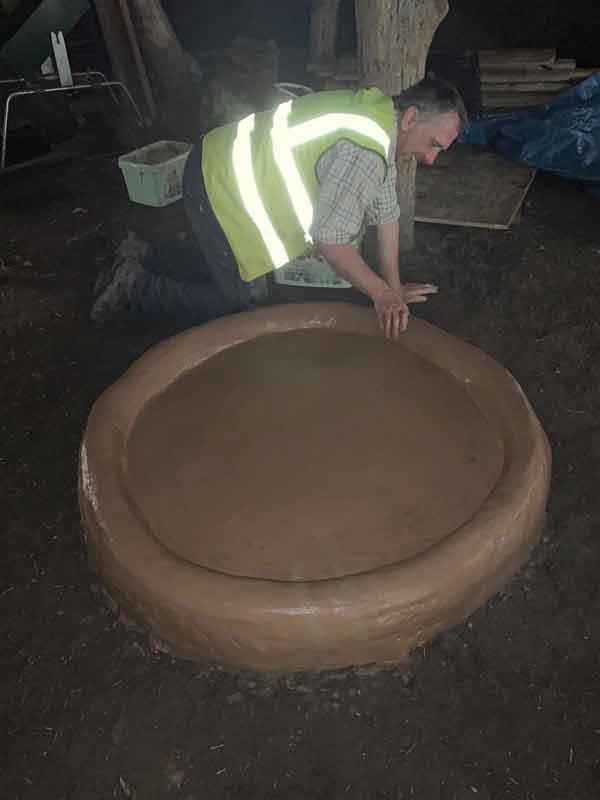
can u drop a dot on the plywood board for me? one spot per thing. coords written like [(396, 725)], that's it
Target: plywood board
[(472, 187)]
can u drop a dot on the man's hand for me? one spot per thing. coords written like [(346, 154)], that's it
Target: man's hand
[(418, 292), (392, 312), (391, 306), (389, 297)]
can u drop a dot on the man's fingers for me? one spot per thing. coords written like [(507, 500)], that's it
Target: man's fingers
[(397, 322), (389, 324), (405, 316), (418, 292), (417, 297), (393, 317), (400, 322), (382, 317), (392, 323), (421, 288)]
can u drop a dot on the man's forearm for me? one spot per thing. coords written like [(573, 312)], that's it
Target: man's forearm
[(388, 245), (349, 264)]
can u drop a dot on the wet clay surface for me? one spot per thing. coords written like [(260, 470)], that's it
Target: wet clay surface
[(504, 707), (310, 455)]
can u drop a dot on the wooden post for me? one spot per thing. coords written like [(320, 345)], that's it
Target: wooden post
[(168, 65), (323, 36), (126, 66), (137, 56), (394, 37)]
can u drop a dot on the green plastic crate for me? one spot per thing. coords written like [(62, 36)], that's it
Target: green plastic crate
[(154, 174), (308, 271)]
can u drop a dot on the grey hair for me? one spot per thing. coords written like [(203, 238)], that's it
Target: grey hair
[(432, 96)]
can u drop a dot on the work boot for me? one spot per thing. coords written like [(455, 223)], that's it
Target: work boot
[(132, 248), (116, 300)]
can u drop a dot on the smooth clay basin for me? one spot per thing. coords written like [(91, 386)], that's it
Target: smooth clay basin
[(285, 489)]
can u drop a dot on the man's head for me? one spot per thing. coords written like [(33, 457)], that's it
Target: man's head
[(431, 114)]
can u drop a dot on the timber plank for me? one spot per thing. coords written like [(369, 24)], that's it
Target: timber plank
[(516, 99), (489, 58), (527, 76), (538, 75), (525, 87)]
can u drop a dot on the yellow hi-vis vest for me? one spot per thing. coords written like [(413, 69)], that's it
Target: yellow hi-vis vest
[(260, 173)]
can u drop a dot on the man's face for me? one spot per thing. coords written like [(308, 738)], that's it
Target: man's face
[(424, 140)]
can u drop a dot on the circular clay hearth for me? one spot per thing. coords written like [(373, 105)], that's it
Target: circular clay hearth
[(285, 489)]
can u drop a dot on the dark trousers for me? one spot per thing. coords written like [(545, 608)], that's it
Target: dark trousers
[(176, 287), (212, 241)]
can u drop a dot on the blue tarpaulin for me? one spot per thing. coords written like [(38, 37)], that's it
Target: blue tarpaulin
[(562, 136)]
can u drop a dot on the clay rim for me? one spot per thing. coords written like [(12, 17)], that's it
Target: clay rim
[(107, 507)]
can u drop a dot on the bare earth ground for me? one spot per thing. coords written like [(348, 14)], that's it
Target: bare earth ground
[(505, 706)]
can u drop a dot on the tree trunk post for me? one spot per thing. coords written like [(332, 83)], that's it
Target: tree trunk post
[(394, 37), (323, 36), (168, 64), (126, 67)]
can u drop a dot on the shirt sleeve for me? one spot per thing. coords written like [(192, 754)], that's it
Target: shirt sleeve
[(385, 209), (355, 188)]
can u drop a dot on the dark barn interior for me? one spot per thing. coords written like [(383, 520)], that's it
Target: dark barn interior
[(504, 706)]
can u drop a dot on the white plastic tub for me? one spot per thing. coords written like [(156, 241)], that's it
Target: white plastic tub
[(307, 271), (154, 174)]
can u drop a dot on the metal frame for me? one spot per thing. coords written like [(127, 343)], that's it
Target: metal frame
[(54, 77), (103, 84)]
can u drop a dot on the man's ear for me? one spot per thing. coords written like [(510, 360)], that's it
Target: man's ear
[(409, 118)]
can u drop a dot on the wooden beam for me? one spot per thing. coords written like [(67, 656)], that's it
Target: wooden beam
[(539, 75), (323, 36), (160, 45), (121, 55), (564, 63), (169, 67), (524, 87), (515, 99), (137, 57), (492, 58), (17, 17), (347, 69), (581, 74), (560, 65)]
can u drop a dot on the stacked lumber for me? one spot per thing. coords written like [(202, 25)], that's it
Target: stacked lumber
[(518, 78), (509, 78)]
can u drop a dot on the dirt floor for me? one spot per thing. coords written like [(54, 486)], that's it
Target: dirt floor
[(504, 707)]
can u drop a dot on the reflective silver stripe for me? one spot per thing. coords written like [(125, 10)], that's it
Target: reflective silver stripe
[(284, 139), (284, 158), (244, 173), (328, 123)]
